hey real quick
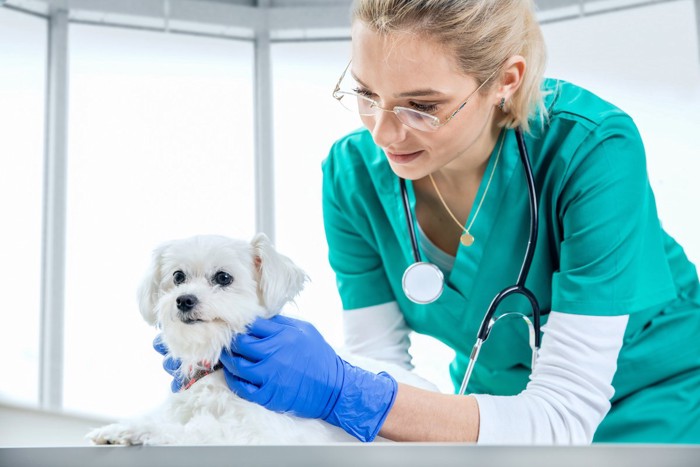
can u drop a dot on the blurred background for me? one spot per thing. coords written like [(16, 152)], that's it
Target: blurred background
[(125, 124)]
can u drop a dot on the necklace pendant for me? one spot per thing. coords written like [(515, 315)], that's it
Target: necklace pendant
[(467, 239)]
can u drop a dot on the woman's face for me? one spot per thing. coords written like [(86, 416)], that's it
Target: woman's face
[(409, 71)]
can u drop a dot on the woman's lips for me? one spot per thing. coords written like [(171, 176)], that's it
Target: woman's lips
[(403, 158)]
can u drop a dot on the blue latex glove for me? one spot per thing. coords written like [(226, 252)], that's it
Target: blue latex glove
[(171, 365), (285, 365)]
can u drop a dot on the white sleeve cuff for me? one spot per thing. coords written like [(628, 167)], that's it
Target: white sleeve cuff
[(379, 332), (570, 390)]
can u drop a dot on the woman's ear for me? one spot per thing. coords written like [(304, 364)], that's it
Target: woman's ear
[(511, 77), (279, 279), (148, 291)]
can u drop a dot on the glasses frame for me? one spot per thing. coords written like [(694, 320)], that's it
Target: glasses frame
[(435, 122)]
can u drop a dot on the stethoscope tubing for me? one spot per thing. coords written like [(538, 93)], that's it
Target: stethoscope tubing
[(519, 287), (409, 220), (534, 212)]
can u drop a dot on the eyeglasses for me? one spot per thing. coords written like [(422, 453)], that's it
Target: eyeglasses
[(412, 118)]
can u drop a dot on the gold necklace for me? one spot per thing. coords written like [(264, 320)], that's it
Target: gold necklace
[(467, 238)]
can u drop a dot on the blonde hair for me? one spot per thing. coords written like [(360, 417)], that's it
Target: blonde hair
[(483, 34)]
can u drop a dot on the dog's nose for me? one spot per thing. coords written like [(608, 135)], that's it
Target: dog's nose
[(186, 303)]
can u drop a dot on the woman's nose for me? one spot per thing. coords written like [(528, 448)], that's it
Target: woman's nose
[(386, 129)]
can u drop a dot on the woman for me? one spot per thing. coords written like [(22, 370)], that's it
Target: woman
[(619, 359)]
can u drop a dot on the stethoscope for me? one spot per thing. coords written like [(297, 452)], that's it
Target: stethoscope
[(423, 282)]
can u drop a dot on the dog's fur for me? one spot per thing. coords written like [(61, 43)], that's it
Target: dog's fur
[(208, 412)]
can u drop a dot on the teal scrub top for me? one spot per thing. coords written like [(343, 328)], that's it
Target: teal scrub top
[(601, 251)]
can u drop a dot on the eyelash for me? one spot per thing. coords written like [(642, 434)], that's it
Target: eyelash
[(362, 92), (427, 108)]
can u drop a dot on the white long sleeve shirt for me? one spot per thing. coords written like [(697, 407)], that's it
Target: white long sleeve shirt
[(568, 394)]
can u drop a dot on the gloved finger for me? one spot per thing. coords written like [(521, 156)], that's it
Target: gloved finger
[(241, 387), (287, 321), (160, 347), (242, 368), (175, 385), (263, 327), (253, 348), (305, 326), (171, 365)]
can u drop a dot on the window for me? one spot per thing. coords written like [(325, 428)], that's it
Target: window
[(160, 147), (303, 78), (22, 93)]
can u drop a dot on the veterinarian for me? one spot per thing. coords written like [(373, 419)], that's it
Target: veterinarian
[(443, 88)]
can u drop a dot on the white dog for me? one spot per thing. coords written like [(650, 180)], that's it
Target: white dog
[(202, 291)]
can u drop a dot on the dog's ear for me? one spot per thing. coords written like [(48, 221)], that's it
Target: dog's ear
[(279, 279), (150, 285)]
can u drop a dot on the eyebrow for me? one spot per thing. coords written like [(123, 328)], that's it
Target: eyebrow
[(415, 93)]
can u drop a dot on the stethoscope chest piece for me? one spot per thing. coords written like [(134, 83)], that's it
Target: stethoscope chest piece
[(423, 282)]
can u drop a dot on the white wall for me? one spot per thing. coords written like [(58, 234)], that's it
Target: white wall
[(646, 62)]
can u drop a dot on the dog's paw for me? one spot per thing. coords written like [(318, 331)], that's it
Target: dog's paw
[(118, 433)]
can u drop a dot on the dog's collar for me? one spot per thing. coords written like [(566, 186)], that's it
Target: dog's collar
[(206, 369)]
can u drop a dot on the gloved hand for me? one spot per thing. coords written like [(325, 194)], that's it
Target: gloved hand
[(285, 365), (171, 365)]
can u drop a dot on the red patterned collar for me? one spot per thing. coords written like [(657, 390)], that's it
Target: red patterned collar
[(206, 369)]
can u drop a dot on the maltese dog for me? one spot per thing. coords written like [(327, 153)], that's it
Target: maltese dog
[(200, 292)]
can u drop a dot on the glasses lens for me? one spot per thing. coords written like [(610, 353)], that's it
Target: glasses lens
[(356, 103), (347, 100), (366, 106), (417, 120)]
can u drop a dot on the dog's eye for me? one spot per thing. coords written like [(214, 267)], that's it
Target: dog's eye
[(179, 277), (223, 278)]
